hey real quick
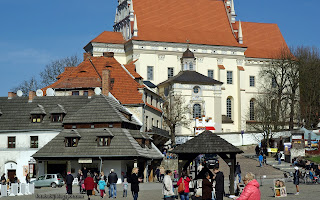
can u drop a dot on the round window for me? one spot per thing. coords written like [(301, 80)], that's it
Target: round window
[(196, 89)]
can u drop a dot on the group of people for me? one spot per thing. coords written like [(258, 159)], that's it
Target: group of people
[(89, 182), (7, 181), (212, 186)]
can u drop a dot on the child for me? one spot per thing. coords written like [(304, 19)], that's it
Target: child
[(125, 187), (102, 185)]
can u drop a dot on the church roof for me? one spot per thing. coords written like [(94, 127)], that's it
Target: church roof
[(188, 54), (109, 37), (191, 77), (263, 40), (124, 87)]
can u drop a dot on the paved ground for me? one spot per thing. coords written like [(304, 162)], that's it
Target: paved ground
[(152, 191)]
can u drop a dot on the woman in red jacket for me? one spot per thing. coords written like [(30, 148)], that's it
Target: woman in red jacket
[(89, 185), (185, 194), (251, 191)]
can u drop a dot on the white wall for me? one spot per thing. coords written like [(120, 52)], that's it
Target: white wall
[(22, 153)]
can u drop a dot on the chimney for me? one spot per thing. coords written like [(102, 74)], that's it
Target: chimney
[(11, 95), (108, 54), (105, 81), (87, 55), (32, 94), (90, 93)]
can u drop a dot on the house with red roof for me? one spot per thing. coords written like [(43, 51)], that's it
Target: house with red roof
[(104, 74), (154, 35)]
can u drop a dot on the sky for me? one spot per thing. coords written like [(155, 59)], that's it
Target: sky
[(35, 32)]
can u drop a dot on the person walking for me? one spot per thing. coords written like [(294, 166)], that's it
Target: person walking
[(102, 185), (135, 183), (219, 188), (296, 179), (167, 189), (279, 155), (260, 160), (85, 172), (3, 179), (238, 171), (96, 179), (206, 187), (112, 180), (27, 178), (89, 185), (158, 174), (251, 191), (162, 171), (125, 187), (69, 181), (184, 195)]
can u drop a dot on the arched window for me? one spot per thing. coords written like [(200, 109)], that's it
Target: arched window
[(252, 109), (196, 110), (229, 108)]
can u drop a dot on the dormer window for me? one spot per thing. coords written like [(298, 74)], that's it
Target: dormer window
[(71, 142), (36, 118), (141, 142), (148, 144), (56, 117), (103, 141)]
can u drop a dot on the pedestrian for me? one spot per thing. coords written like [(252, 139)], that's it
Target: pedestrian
[(296, 176), (96, 179), (112, 180), (158, 174), (264, 159), (238, 171), (89, 185), (15, 178), (162, 171), (103, 177), (260, 160), (102, 185), (69, 181), (219, 188), (206, 187), (135, 183), (184, 195), (85, 172), (278, 156), (27, 178), (167, 189), (125, 187), (3, 179), (200, 167), (257, 149), (175, 175), (251, 191)]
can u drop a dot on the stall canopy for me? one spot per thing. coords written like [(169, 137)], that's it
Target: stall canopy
[(208, 143)]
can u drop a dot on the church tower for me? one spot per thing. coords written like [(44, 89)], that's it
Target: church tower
[(188, 61)]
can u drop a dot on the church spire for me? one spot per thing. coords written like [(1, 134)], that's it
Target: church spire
[(131, 12), (240, 35), (135, 27), (233, 13)]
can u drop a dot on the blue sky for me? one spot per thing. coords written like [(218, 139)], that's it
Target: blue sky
[(35, 32)]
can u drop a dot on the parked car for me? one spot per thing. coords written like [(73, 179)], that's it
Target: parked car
[(211, 160), (49, 180)]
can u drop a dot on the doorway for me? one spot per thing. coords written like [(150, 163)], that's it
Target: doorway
[(11, 174)]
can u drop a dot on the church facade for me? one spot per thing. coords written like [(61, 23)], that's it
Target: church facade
[(154, 35)]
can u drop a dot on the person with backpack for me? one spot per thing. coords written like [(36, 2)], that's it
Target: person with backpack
[(183, 186)]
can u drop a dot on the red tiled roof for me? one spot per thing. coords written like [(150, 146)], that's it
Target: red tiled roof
[(131, 67), (124, 88), (240, 68), (154, 108), (221, 67), (201, 22), (109, 37), (263, 40)]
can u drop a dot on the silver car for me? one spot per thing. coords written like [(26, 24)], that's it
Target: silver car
[(49, 180)]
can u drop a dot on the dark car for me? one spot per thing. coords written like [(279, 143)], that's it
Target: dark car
[(211, 161)]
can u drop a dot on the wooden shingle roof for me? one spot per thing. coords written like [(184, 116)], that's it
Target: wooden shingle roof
[(123, 144), (206, 143)]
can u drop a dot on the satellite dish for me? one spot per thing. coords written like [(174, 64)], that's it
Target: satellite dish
[(50, 92), (97, 91), (19, 93), (39, 93)]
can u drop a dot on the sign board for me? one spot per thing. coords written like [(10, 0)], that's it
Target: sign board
[(85, 160), (273, 150), (297, 137), (279, 188)]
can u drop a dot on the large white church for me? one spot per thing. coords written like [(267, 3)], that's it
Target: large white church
[(154, 35)]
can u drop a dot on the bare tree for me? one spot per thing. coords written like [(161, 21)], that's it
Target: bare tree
[(309, 64), (56, 67), (27, 86), (48, 75), (175, 114)]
